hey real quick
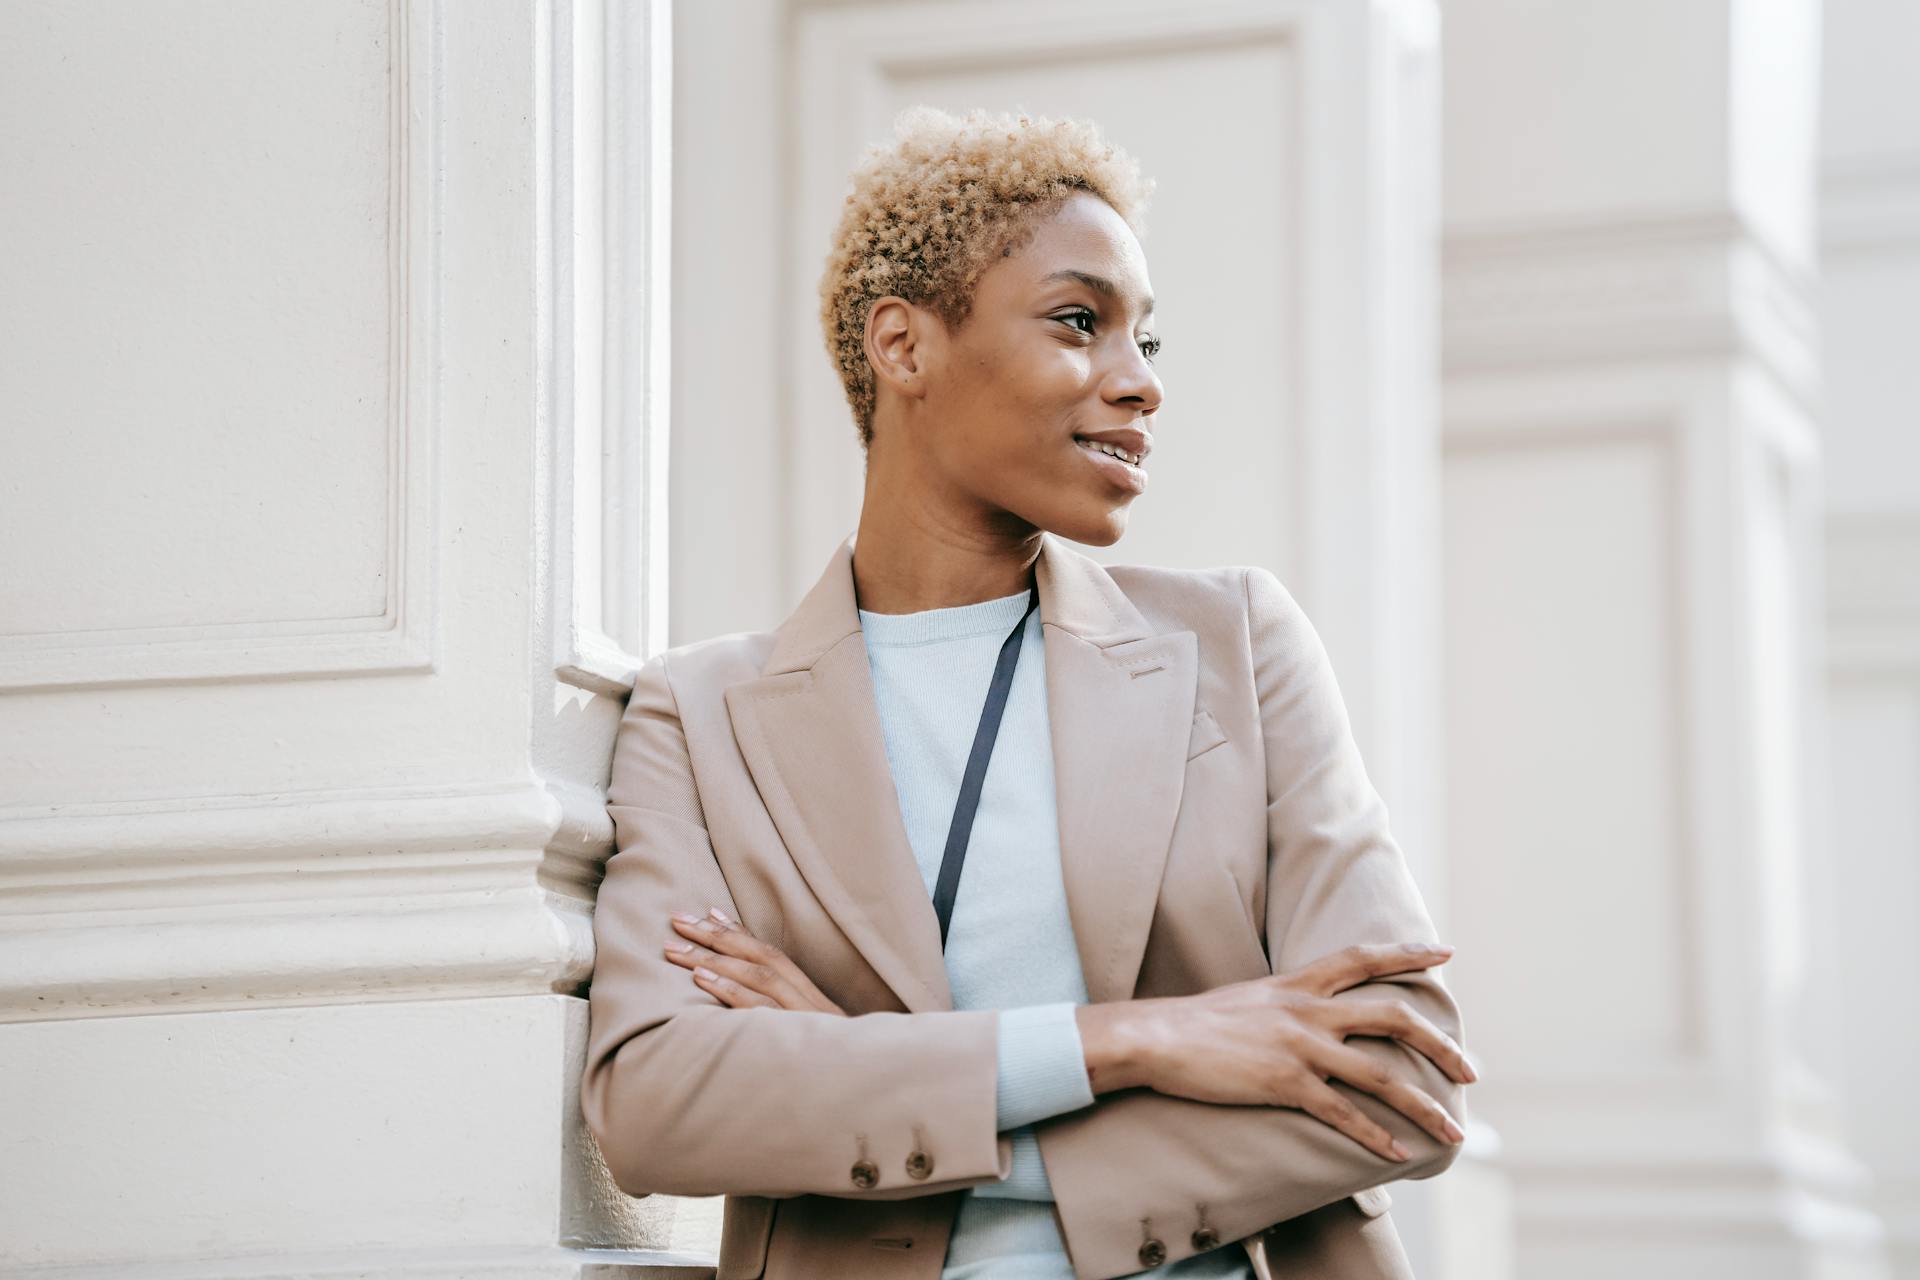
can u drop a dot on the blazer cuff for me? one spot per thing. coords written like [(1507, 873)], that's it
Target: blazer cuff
[(1042, 1065)]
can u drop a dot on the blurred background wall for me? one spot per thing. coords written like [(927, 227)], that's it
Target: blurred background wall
[(385, 379), (1869, 320)]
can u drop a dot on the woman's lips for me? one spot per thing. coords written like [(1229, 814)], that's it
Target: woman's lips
[(1123, 475)]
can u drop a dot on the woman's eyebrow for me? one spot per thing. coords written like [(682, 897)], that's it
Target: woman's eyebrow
[(1099, 284)]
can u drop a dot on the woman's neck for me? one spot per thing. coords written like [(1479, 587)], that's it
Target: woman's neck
[(906, 565)]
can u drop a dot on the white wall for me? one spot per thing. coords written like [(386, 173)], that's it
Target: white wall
[(313, 610), (1870, 310), (1636, 712)]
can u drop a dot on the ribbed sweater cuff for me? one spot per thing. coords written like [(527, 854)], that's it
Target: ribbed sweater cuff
[(1042, 1064), (1028, 1180)]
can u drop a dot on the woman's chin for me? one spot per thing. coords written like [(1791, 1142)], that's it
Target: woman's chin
[(1094, 529)]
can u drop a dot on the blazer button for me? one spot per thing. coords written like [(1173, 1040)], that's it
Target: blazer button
[(866, 1175), (919, 1164), (1204, 1239), (1152, 1253)]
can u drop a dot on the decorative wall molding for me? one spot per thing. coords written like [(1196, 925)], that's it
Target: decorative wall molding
[(298, 899), (1715, 1149), (604, 88), (401, 636), (1690, 285), (1733, 1199), (1653, 426)]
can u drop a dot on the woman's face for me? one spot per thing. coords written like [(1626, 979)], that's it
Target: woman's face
[(1056, 347)]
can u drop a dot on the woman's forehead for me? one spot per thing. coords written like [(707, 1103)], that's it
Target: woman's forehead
[(1086, 243)]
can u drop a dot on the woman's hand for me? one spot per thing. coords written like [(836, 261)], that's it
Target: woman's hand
[(741, 971), (1275, 1041)]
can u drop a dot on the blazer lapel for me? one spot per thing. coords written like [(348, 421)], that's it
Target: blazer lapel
[(1120, 702)]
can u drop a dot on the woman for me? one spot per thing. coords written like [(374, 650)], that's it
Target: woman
[(1118, 1044)]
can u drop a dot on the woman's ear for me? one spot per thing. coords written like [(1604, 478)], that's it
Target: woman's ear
[(894, 328)]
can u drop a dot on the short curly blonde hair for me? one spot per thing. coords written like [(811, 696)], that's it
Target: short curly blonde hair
[(952, 195)]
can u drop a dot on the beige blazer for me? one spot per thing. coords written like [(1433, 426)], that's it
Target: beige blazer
[(1216, 824)]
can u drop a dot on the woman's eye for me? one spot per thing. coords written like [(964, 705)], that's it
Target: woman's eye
[(1071, 316), (1150, 348)]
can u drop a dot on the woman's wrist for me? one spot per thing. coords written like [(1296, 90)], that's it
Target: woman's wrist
[(1121, 1039)]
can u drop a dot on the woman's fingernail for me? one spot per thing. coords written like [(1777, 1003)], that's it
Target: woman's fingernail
[(719, 915), (684, 918), (1400, 1152), (705, 972)]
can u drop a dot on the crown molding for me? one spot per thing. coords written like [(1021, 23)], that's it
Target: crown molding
[(298, 899), (1686, 286)]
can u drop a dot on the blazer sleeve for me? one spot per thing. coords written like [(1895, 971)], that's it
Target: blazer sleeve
[(687, 1096), (1335, 877)]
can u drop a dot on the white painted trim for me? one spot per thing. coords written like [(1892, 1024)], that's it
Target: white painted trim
[(603, 214), (298, 899), (1694, 285)]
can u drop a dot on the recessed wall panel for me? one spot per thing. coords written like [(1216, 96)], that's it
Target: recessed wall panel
[(200, 386), (1564, 786)]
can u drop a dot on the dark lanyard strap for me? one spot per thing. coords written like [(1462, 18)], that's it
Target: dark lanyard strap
[(948, 884)]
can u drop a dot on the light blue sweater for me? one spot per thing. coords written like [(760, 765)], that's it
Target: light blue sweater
[(1010, 944)]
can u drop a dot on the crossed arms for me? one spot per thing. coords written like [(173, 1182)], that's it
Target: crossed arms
[(687, 1096)]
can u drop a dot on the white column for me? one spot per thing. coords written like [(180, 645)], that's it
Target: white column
[(329, 529), (1641, 880), (1870, 312)]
